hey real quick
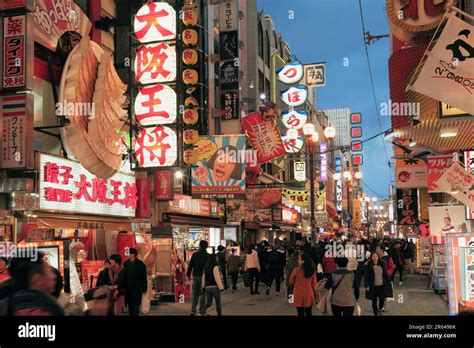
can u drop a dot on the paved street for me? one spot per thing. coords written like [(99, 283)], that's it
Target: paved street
[(413, 298)]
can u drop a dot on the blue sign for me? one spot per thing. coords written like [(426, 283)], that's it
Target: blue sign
[(338, 164)]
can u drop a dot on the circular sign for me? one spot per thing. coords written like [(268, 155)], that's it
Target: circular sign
[(291, 73), (411, 19), (190, 37), (190, 76), (190, 136), (190, 16), (191, 102), (294, 118), (295, 96), (190, 116), (190, 56), (190, 156), (292, 146)]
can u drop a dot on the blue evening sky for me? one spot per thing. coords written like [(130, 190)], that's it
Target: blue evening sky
[(330, 31)]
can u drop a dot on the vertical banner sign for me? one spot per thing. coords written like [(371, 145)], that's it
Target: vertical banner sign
[(299, 170), (469, 164), (357, 213), (143, 210), (13, 118), (437, 165), (407, 207), (14, 52), (229, 55), (324, 162), (156, 103), (163, 185), (339, 195)]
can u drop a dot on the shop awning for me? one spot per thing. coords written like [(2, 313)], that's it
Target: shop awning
[(193, 220), (51, 220)]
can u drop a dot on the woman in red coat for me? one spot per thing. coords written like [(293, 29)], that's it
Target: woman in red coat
[(303, 278)]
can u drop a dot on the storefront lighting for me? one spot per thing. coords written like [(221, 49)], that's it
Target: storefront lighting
[(314, 137), (448, 132), (263, 96)]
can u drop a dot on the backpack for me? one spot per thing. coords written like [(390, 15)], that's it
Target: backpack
[(273, 257)]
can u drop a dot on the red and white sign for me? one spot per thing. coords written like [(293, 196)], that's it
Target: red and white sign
[(289, 216), (11, 4), (294, 119), (295, 96), (143, 210), (264, 137), (188, 205), (356, 118), (437, 165), (13, 131), (156, 147), (292, 145), (65, 185), (156, 63), (163, 190), (14, 49), (356, 132), (291, 73), (155, 21), (156, 105)]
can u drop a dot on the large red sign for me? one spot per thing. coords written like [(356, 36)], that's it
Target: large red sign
[(264, 136), (14, 29), (163, 185), (437, 165), (143, 210)]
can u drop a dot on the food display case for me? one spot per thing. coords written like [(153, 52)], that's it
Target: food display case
[(423, 255)]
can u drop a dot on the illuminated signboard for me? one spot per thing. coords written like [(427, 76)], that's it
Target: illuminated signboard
[(294, 118), (156, 147), (155, 105), (291, 73), (295, 96), (324, 162), (65, 185), (155, 21)]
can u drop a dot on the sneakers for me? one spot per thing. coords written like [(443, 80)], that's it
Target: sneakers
[(400, 283)]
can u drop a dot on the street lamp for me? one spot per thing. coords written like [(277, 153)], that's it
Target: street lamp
[(308, 129), (330, 133)]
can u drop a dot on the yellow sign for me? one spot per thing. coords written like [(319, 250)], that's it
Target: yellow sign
[(205, 149), (357, 213), (299, 197), (321, 201)]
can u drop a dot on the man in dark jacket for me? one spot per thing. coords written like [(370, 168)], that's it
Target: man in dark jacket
[(397, 258), (262, 251), (408, 255), (222, 261), (276, 263), (196, 268), (134, 282)]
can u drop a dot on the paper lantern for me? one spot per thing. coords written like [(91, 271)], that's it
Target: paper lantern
[(190, 156), (190, 116), (190, 136), (190, 16), (156, 147), (155, 63), (190, 56), (190, 37), (190, 76), (191, 102)]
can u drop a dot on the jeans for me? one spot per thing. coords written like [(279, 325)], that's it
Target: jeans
[(196, 296), (304, 311), (398, 268), (338, 311), (274, 274), (212, 292), (378, 294), (253, 274), (234, 277), (224, 276)]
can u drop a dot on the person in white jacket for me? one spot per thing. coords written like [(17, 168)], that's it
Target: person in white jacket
[(212, 284)]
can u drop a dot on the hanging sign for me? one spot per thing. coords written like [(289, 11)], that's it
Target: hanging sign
[(324, 162), (155, 105), (299, 170), (14, 52), (315, 75), (339, 195), (436, 166), (291, 73), (156, 63), (163, 188), (294, 119), (229, 76), (292, 145), (295, 96), (229, 45), (155, 21), (407, 207), (229, 105), (299, 197), (469, 165), (156, 147)]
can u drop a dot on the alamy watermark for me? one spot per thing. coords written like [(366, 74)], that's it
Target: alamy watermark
[(230, 155), (400, 109), (12, 251), (70, 109)]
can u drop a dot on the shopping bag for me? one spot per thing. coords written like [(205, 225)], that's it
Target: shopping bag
[(388, 290), (358, 310), (324, 304), (246, 279)]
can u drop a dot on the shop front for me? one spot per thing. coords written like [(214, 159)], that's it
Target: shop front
[(183, 223)]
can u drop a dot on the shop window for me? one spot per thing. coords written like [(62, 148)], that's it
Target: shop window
[(260, 40)]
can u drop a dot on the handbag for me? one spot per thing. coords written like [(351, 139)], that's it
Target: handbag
[(324, 305)]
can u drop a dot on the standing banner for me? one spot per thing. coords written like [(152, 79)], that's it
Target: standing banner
[(220, 170), (264, 136), (447, 72), (407, 207), (14, 52), (437, 165), (459, 183)]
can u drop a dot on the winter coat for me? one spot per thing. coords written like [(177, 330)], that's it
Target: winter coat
[(369, 277), (347, 292), (233, 264), (197, 263), (303, 288), (397, 256)]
